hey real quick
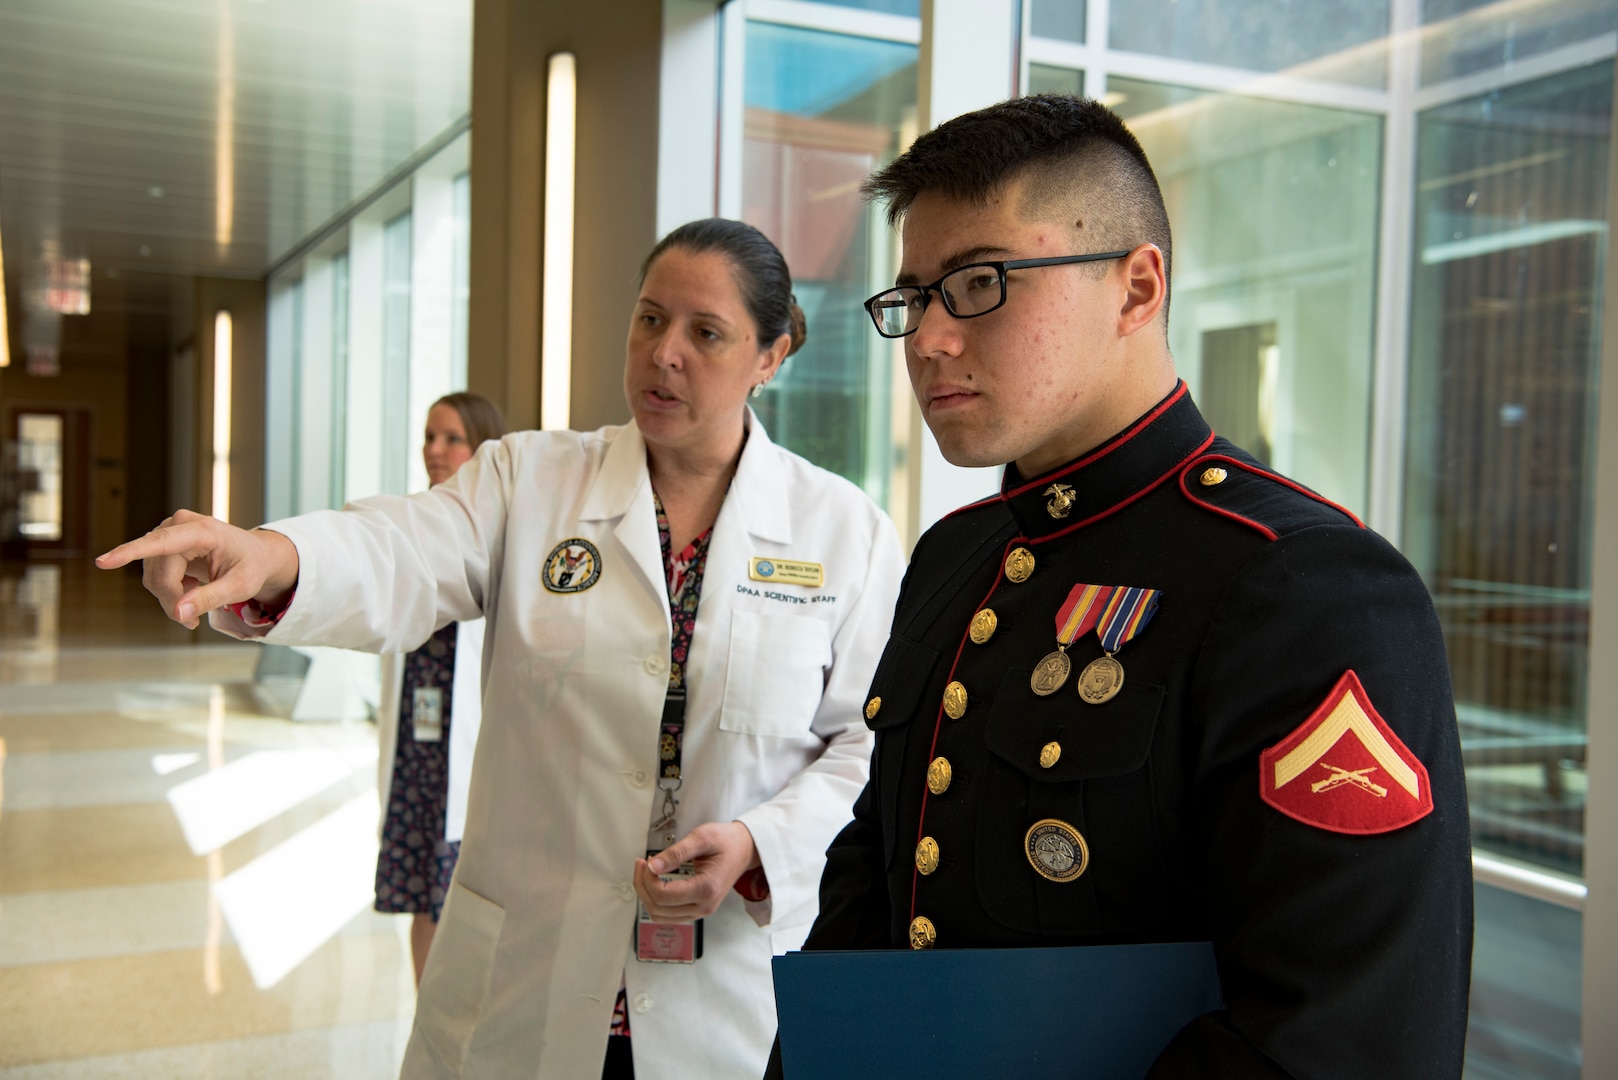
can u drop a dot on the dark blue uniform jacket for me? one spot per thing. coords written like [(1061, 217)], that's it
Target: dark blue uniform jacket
[(1341, 955)]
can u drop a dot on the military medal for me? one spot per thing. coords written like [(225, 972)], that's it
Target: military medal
[(1056, 850), (1127, 612), (1077, 617)]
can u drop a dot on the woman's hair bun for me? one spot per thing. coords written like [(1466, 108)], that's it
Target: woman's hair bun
[(798, 326)]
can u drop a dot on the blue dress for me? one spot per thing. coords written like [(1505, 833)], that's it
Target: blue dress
[(415, 864)]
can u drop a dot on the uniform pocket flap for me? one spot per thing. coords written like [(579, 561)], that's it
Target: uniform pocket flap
[(1062, 738), (901, 675)]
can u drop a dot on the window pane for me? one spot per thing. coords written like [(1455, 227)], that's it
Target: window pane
[(1322, 39), (1044, 79), (823, 110), (1465, 36), (460, 280), (39, 461), (887, 7), (339, 378), (1059, 19), (1271, 303), (397, 440), (1526, 965), (1504, 359)]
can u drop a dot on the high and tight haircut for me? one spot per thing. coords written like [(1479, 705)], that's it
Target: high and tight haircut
[(479, 416), (758, 267), (1074, 156)]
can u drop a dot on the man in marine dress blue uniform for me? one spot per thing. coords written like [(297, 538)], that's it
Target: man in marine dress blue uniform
[(1152, 691)]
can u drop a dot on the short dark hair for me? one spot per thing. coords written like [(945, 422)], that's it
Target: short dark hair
[(759, 268), (479, 416), (1062, 147)]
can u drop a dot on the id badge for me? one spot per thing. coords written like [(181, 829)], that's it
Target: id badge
[(427, 713), (668, 942)]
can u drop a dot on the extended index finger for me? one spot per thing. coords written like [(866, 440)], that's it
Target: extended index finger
[(190, 540)]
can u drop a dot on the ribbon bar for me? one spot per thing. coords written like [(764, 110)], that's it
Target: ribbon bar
[(1127, 613), (1081, 612)]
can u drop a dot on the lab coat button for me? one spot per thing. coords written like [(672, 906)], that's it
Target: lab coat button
[(643, 1004), (626, 891), (656, 665), (639, 777)]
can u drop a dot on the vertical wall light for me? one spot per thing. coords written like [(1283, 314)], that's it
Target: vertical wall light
[(5, 326), (221, 414), (556, 305)]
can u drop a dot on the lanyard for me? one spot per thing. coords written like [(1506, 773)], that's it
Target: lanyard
[(671, 736)]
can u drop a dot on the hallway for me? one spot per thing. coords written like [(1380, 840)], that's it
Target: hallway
[(185, 874)]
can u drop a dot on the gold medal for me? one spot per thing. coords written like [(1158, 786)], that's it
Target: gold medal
[(922, 933), (984, 624), (1050, 673), (1019, 565), (939, 775), (1055, 850), (955, 700), (1101, 680), (927, 855)]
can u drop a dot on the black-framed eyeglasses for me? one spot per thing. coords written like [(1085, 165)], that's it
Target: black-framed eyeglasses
[(968, 292)]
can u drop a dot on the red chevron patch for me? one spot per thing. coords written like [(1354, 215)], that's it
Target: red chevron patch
[(1345, 770)]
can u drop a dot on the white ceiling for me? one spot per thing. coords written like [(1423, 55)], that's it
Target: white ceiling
[(210, 136)]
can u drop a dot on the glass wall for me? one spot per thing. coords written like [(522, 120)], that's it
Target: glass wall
[(1510, 239), (822, 111), (366, 331), (1272, 304)]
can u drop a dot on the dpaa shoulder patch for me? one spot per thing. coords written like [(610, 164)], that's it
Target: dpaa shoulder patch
[(1345, 770)]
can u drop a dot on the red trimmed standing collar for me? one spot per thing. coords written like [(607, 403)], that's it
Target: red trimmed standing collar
[(1112, 475)]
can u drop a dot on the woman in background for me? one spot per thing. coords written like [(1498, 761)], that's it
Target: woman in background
[(428, 722)]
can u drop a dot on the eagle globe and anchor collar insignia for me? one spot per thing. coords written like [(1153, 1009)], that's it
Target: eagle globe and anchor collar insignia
[(573, 566), (1061, 503), (1344, 770)]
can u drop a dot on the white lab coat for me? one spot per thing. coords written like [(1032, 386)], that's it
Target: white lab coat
[(537, 932), (465, 717)]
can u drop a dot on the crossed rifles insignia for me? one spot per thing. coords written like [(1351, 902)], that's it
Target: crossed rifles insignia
[(1357, 777)]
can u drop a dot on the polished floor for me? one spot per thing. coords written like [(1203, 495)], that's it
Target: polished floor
[(185, 873)]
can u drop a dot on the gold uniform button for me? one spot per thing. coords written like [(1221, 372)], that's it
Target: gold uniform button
[(873, 707), (927, 855), (984, 624), (923, 934), (939, 775), (1019, 564), (1213, 476), (1050, 754), (955, 700)]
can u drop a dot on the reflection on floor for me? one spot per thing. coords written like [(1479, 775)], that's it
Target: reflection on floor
[(185, 877)]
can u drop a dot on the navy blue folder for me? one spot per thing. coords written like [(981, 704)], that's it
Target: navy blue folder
[(1101, 1013)]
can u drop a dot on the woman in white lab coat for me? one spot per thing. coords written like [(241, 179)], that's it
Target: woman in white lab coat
[(427, 725), (555, 537)]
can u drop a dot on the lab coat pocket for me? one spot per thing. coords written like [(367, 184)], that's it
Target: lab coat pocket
[(776, 673), (456, 981)]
